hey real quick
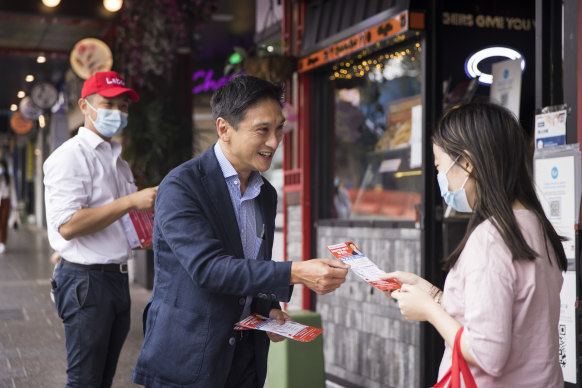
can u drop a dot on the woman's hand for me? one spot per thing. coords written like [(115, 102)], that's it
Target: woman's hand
[(407, 278), (414, 303)]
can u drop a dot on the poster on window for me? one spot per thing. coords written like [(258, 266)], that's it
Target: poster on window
[(550, 129), (567, 328), (506, 86), (556, 183)]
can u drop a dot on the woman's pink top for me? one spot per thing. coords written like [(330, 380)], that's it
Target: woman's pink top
[(510, 309)]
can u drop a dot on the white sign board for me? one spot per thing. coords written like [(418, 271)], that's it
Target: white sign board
[(506, 86), (550, 129), (555, 183), (567, 328)]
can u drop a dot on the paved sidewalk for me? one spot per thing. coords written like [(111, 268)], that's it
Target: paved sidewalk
[(32, 344)]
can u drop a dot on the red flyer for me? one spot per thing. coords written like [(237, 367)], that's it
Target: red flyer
[(289, 329), (139, 227), (350, 254)]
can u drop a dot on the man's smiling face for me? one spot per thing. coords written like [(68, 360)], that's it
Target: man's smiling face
[(251, 147)]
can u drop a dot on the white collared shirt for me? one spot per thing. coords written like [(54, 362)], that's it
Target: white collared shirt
[(86, 172)]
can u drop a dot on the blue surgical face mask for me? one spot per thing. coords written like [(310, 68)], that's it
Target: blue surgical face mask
[(109, 121), (456, 199)]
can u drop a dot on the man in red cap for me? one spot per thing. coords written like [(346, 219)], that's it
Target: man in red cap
[(88, 189)]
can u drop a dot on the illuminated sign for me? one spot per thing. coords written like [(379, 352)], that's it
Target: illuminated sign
[(399, 24), (207, 82), (472, 62)]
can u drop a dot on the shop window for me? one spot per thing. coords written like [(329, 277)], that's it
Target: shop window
[(378, 135)]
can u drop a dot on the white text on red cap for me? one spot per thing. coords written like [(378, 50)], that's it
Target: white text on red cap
[(116, 81)]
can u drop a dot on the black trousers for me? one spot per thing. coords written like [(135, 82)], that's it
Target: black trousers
[(95, 308)]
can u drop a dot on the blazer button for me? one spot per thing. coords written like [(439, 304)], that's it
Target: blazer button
[(231, 341), (273, 296), (262, 296), (242, 300)]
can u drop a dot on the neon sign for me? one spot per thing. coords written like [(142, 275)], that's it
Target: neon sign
[(207, 82), (472, 63)]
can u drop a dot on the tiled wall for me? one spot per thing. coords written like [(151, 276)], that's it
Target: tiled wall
[(366, 340)]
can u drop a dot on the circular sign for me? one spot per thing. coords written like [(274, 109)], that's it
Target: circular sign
[(19, 124), (28, 109), (472, 63), (44, 95), (90, 56)]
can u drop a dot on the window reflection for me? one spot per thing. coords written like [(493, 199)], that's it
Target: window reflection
[(378, 135)]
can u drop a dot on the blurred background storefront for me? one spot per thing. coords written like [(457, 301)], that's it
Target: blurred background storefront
[(365, 83)]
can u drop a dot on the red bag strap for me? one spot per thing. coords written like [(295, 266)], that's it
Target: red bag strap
[(458, 366)]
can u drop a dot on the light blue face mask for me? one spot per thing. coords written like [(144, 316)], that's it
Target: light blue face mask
[(109, 121), (456, 199)]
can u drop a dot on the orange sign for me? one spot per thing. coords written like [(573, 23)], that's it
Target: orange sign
[(19, 124), (357, 42)]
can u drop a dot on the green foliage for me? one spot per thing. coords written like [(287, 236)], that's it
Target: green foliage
[(156, 140), (153, 38)]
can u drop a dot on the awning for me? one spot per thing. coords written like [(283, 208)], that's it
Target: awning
[(334, 29)]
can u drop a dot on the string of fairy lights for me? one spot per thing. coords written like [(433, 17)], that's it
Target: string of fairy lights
[(359, 66)]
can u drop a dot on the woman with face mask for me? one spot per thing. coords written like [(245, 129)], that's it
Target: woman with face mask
[(505, 276), (4, 203)]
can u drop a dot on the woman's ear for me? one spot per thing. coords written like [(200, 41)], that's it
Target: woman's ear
[(466, 164)]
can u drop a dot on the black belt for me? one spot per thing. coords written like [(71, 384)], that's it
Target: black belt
[(119, 268)]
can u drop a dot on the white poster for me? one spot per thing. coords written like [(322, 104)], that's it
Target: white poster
[(550, 129), (506, 87), (567, 327), (416, 137), (555, 183)]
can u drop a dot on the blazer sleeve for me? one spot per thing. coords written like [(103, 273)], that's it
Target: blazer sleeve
[(197, 239)]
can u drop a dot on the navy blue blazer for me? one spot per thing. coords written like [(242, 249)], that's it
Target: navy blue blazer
[(201, 279)]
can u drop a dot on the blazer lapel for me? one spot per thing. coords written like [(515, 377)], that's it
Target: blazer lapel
[(217, 191), (268, 216)]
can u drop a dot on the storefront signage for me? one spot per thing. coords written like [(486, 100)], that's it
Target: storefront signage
[(207, 83), (488, 21), (357, 42), (473, 61)]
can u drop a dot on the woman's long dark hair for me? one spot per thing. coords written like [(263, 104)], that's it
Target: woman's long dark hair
[(491, 139)]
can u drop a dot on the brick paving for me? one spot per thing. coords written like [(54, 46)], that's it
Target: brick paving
[(32, 344)]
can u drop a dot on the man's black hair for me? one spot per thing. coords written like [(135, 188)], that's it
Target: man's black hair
[(231, 100)]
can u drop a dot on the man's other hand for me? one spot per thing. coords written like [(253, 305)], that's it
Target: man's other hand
[(320, 275), (281, 317), (144, 199)]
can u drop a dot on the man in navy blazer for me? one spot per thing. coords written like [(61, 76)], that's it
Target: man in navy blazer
[(213, 236)]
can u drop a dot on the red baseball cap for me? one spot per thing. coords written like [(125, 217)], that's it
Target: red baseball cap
[(107, 84)]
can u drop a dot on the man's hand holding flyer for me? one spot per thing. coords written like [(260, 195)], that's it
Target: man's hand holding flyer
[(361, 265), (289, 329), (139, 227)]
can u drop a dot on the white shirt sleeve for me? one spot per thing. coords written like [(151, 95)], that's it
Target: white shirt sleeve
[(68, 184)]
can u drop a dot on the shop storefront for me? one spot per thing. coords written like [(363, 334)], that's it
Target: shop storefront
[(354, 171), (373, 78)]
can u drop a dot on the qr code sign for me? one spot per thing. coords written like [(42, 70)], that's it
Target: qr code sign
[(555, 209), (562, 345)]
